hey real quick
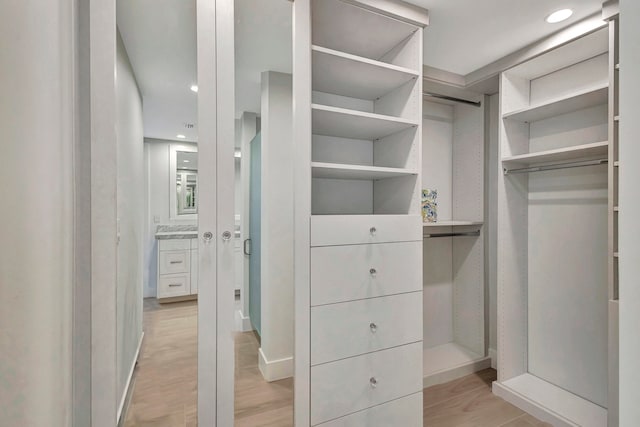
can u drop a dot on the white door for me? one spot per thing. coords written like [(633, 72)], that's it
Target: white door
[(215, 216)]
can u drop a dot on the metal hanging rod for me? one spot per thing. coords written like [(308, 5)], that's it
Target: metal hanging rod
[(436, 235), (451, 98), (567, 165)]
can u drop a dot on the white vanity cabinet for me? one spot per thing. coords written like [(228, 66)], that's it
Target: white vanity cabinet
[(177, 268)]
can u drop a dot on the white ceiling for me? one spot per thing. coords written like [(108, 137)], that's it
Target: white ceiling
[(160, 38), (465, 35)]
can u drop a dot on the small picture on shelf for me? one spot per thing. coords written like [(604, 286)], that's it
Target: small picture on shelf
[(429, 205)]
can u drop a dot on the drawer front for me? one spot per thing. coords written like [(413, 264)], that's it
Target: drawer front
[(353, 328), (173, 285), (346, 273), (329, 230), (172, 262), (350, 385), (194, 272), (405, 412), (174, 244)]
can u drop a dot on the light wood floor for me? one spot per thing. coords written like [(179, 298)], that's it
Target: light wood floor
[(165, 383)]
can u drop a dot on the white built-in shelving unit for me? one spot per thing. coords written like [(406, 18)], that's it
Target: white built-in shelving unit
[(357, 126), (553, 338), (453, 247)]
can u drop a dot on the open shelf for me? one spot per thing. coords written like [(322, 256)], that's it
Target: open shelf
[(566, 104), (338, 171), (450, 361), (541, 397), (354, 76), (348, 28), (345, 123), (577, 152), (452, 223)]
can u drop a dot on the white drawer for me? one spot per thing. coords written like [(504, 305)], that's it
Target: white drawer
[(174, 244), (173, 285), (171, 262), (346, 386), (352, 328), (328, 230), (343, 273), (194, 271), (405, 412)]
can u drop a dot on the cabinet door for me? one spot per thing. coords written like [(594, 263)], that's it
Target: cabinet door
[(194, 271)]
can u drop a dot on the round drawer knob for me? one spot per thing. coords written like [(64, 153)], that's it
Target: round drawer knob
[(373, 327), (374, 382), (373, 271), (373, 231)]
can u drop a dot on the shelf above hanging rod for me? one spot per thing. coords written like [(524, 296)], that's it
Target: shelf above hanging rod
[(567, 165), (451, 98), (436, 235)]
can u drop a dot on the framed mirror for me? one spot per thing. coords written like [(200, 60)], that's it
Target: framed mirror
[(183, 181)]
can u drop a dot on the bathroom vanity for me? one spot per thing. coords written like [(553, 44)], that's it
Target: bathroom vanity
[(177, 261)]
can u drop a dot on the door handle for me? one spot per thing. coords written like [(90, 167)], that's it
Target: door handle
[(246, 247)]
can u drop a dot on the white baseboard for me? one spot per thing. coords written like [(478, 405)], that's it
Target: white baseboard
[(123, 398), (456, 372), (273, 370), (242, 322), (493, 354)]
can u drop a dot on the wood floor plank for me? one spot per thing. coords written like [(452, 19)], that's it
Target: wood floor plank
[(526, 420), (438, 393)]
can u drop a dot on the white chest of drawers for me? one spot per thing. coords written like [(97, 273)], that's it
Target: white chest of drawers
[(177, 268)]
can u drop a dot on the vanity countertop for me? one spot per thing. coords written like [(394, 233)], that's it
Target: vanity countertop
[(164, 232)]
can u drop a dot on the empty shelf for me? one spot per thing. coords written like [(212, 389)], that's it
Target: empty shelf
[(556, 107), (449, 361), (544, 398), (345, 123), (357, 77), (452, 223), (348, 28), (577, 152), (338, 171)]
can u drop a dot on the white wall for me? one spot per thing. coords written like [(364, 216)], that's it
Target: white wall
[(37, 215), (276, 352), (130, 211), (157, 188), (629, 227)]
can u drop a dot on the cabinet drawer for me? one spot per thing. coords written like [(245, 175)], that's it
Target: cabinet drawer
[(328, 230), (352, 328), (171, 262), (173, 285), (405, 412), (346, 273), (174, 244), (350, 385)]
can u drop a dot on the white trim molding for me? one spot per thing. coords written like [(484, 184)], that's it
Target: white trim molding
[(274, 370)]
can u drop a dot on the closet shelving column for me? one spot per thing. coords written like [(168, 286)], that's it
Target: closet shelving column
[(453, 247), (610, 13), (357, 109), (552, 224)]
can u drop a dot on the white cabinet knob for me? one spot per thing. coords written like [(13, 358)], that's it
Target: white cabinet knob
[(373, 231), (373, 327), (373, 271), (374, 382)]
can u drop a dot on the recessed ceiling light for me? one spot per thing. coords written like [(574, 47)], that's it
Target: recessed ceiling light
[(559, 16), (194, 88), (180, 136)]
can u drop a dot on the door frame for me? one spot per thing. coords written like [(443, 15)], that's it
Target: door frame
[(94, 333)]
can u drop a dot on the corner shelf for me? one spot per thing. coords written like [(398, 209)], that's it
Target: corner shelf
[(345, 123), (354, 76), (566, 104), (452, 223), (340, 171), (577, 152)]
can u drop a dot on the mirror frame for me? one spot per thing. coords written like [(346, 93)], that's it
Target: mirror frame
[(173, 155)]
